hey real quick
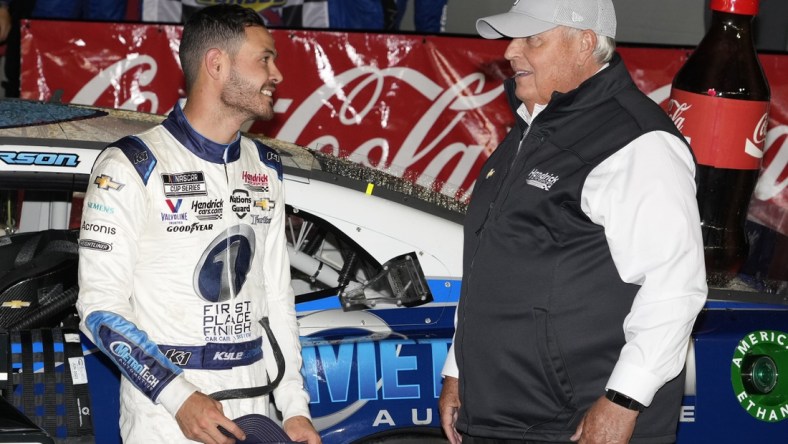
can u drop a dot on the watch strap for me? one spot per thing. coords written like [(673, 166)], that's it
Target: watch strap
[(624, 401)]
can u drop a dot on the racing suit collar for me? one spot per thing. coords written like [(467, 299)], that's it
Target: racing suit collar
[(199, 145)]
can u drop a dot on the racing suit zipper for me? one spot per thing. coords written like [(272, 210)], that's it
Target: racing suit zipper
[(226, 175), (226, 191)]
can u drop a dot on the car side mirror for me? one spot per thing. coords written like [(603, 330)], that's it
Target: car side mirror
[(401, 282)]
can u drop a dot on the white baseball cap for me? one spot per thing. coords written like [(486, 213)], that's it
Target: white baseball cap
[(531, 17)]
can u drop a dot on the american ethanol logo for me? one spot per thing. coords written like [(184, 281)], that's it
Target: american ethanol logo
[(759, 374)]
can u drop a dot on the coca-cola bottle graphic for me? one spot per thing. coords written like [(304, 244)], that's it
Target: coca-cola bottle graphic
[(720, 102)]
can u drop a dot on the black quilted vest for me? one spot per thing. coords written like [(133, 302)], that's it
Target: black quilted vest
[(542, 308)]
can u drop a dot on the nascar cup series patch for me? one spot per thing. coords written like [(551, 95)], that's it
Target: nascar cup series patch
[(759, 374)]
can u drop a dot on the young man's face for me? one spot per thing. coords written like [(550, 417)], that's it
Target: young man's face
[(544, 63), (253, 76)]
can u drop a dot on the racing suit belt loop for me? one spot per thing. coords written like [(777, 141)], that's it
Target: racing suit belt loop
[(213, 356)]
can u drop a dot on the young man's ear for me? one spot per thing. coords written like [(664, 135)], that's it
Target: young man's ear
[(214, 62)]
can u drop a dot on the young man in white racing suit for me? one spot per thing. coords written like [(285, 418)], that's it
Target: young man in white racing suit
[(182, 250)]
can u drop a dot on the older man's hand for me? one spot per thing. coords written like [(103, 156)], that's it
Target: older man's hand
[(300, 429), (449, 405), (606, 423)]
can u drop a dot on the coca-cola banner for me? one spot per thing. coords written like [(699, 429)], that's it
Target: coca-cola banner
[(430, 108)]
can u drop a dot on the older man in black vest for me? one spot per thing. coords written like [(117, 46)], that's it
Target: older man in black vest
[(583, 269)]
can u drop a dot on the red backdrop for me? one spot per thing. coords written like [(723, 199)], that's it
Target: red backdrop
[(429, 108)]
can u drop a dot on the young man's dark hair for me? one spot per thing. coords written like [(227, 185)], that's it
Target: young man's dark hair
[(221, 26)]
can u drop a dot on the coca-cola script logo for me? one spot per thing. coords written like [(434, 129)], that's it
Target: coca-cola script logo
[(123, 66), (769, 204), (676, 110), (440, 151), (773, 181), (754, 146), (108, 78)]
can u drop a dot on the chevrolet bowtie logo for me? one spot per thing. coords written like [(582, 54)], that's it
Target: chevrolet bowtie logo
[(265, 204), (106, 183), (16, 304)]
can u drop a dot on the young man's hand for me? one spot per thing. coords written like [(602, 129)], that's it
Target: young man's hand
[(200, 417)]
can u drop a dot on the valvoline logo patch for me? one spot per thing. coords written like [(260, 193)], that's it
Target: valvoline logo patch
[(174, 204)]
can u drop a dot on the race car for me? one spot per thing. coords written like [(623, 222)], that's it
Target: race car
[(376, 269)]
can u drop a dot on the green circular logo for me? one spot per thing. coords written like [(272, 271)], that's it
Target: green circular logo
[(759, 374)]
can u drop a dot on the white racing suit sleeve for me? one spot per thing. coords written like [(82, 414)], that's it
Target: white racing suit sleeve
[(291, 397), (115, 207)]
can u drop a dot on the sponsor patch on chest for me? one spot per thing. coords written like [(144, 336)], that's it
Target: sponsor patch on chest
[(541, 180), (184, 184), (255, 181)]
